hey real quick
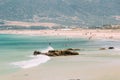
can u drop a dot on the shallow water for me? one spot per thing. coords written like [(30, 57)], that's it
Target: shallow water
[(17, 48)]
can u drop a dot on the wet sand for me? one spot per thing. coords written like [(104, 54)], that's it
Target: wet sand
[(80, 69)]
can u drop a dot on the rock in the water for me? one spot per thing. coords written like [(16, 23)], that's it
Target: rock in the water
[(102, 48), (53, 53), (58, 52), (68, 52), (110, 47), (36, 53), (61, 53), (73, 49)]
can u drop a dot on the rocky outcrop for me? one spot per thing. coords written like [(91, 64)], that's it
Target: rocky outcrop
[(58, 52), (102, 48), (73, 49), (110, 47), (106, 48), (61, 53), (36, 53)]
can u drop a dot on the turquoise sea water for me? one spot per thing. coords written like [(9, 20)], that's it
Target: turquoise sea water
[(15, 48)]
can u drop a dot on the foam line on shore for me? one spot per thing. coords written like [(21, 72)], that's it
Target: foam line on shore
[(35, 61), (32, 62)]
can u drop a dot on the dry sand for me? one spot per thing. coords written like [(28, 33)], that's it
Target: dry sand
[(28, 24), (80, 33)]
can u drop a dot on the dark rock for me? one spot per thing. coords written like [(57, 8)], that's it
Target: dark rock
[(36, 53), (72, 49), (53, 53), (110, 47), (102, 48), (61, 53), (58, 52), (68, 52)]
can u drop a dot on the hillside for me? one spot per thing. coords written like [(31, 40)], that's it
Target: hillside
[(65, 12)]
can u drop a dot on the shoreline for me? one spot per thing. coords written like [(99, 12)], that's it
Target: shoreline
[(65, 71), (75, 33), (81, 68)]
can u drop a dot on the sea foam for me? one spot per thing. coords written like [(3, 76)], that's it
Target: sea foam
[(117, 48), (47, 49), (35, 61)]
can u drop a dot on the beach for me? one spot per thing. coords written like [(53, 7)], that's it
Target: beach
[(80, 33), (92, 64), (65, 71), (59, 39)]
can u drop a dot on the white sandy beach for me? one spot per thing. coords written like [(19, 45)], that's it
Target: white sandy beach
[(80, 33)]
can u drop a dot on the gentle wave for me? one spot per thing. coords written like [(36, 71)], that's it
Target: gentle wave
[(47, 49), (33, 62), (117, 48)]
